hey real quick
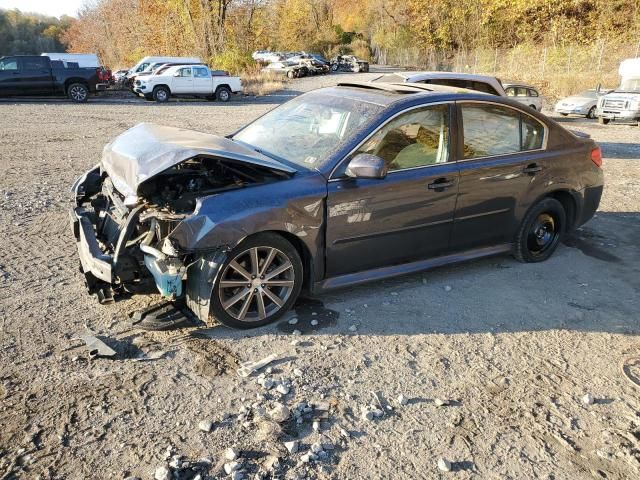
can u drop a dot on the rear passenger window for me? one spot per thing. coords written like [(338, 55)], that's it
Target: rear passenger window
[(200, 72), (184, 72), (532, 93), (34, 63), (494, 130), (483, 87), (414, 139)]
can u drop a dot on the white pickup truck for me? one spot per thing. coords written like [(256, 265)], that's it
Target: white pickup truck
[(188, 81)]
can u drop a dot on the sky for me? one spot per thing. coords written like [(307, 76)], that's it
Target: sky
[(54, 8)]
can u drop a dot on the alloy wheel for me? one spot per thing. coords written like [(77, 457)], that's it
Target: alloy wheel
[(256, 284), (78, 93)]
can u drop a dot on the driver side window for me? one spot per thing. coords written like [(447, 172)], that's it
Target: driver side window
[(415, 139)]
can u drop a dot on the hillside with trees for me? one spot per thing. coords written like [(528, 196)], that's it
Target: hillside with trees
[(30, 33)]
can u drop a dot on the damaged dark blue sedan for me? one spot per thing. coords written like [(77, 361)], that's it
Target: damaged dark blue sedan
[(336, 187)]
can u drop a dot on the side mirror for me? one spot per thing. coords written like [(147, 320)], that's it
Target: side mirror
[(365, 165), (177, 74), (598, 88)]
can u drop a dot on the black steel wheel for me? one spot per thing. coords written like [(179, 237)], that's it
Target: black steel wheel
[(78, 92), (260, 280), (540, 231), (592, 113)]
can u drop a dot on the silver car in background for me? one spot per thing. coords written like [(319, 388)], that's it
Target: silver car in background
[(583, 103), (525, 94)]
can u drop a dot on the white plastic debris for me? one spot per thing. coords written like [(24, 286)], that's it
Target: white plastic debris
[(588, 399), (231, 454), (402, 400), (231, 467), (247, 368), (282, 388)]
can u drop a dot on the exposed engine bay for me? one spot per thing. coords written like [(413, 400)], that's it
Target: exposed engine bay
[(134, 238)]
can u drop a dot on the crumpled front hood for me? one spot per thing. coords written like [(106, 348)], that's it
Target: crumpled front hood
[(148, 149)]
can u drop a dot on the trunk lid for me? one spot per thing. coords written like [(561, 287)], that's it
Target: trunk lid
[(148, 149)]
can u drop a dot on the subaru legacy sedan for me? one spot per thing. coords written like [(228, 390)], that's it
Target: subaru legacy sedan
[(339, 186)]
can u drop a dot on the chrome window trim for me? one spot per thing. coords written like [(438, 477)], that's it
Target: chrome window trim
[(447, 102), (382, 125)]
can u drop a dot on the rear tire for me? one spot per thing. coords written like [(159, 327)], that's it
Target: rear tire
[(161, 94), (223, 94), (78, 92), (603, 121), (237, 304), (540, 232)]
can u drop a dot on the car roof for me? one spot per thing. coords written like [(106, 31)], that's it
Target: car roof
[(519, 84), (397, 90), (415, 76)]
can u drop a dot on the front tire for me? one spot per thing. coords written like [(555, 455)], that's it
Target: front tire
[(78, 92), (540, 232), (603, 121), (592, 113), (161, 94), (259, 281)]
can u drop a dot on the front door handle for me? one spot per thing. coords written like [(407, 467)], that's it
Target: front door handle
[(533, 168), (440, 184)]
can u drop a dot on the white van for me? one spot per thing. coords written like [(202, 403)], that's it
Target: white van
[(84, 60), (146, 61)]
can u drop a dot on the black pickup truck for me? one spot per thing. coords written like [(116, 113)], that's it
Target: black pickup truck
[(38, 75)]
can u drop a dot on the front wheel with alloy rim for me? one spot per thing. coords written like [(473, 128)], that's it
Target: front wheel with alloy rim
[(592, 113), (78, 92), (540, 231), (259, 281)]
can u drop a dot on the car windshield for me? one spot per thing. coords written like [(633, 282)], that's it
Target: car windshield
[(307, 129), (630, 85)]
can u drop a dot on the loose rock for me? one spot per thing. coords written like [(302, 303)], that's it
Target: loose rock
[(353, 328), (292, 446), (162, 473), (447, 288), (279, 413), (440, 402), (293, 321), (205, 425), (282, 388), (231, 467), (588, 399), (231, 454), (402, 400), (314, 322), (444, 465)]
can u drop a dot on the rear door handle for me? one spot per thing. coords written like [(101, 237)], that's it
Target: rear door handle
[(533, 168), (441, 184)]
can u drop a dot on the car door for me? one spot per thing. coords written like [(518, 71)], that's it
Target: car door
[(9, 76), (408, 214), (35, 74), (503, 149), (182, 82), (202, 83)]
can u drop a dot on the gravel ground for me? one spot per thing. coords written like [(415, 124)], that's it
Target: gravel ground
[(493, 358)]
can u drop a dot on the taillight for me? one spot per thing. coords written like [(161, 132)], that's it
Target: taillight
[(596, 156)]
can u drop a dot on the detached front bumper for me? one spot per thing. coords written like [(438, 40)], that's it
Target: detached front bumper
[(96, 266)]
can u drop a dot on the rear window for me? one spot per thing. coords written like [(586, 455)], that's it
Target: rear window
[(491, 130)]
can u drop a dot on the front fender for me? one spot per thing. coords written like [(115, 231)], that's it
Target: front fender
[(295, 206)]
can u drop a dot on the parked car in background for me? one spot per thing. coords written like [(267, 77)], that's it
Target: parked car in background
[(120, 76), (336, 187), (623, 103), (22, 75), (157, 67), (349, 63), (84, 60), (144, 63), (525, 94), (290, 69), (480, 83), (583, 104), (187, 80), (266, 56)]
